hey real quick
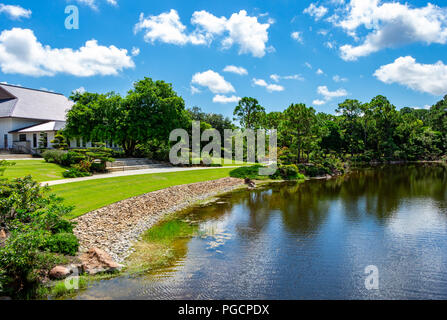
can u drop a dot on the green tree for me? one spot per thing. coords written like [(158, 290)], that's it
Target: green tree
[(249, 113)]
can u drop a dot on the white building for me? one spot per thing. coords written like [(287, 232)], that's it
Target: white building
[(28, 114)]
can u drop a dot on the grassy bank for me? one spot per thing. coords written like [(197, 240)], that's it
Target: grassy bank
[(38, 169), (89, 195)]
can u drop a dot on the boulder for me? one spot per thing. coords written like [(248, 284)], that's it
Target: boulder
[(98, 261), (251, 184), (59, 273), (2, 234)]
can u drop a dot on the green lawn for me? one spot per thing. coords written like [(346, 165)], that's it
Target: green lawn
[(38, 169), (94, 194)]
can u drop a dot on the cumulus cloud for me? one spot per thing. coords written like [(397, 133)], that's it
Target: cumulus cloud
[(21, 53), (242, 30), (320, 72), (315, 11), (135, 51), (213, 81), (15, 12), (390, 25), (269, 87), (237, 70), (94, 3), (80, 90), (429, 78), (329, 95), (297, 36), (224, 99), (277, 78), (337, 78)]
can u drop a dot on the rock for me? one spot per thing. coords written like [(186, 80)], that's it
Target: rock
[(98, 261), (59, 273), (5, 298), (2, 234), (251, 184)]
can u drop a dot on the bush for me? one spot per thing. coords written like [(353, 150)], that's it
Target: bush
[(63, 158), (4, 165), (75, 173), (33, 219), (65, 243), (289, 172)]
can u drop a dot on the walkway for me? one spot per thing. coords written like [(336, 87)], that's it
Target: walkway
[(130, 173)]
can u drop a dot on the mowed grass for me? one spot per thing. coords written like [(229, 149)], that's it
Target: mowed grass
[(90, 195), (38, 169)]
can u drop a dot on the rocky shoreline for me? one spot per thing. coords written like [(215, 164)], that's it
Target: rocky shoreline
[(115, 228)]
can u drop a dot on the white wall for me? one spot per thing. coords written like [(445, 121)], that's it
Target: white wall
[(10, 124)]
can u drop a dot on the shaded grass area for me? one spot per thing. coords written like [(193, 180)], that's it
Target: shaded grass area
[(38, 169), (89, 195)]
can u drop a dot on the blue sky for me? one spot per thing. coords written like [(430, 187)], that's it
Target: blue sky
[(315, 52)]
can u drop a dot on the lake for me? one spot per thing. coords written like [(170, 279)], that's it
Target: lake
[(310, 240)]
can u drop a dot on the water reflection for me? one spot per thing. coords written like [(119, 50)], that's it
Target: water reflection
[(312, 240)]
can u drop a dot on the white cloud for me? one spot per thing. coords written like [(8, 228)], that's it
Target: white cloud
[(224, 99), (317, 12), (195, 90), (240, 29), (93, 3), (135, 51), (308, 65), (319, 102), (269, 87), (80, 90), (213, 81), (297, 36), (337, 78), (277, 78), (21, 53), (238, 70), (329, 95), (15, 12), (320, 72), (429, 78), (390, 25)]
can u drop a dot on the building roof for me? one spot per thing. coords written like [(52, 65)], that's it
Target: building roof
[(43, 127), (20, 102)]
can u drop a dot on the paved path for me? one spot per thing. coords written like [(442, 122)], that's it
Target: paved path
[(129, 173)]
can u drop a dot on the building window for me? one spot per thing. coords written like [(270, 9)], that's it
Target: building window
[(5, 140), (22, 137), (34, 140)]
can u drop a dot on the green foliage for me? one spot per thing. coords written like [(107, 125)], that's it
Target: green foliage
[(75, 173), (150, 111), (249, 113), (169, 231), (288, 172), (59, 141), (65, 243), (31, 216)]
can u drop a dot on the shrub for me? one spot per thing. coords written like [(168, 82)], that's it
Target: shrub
[(251, 172), (65, 243), (75, 173), (33, 219), (288, 172)]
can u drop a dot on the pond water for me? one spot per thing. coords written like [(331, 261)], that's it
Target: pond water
[(311, 240)]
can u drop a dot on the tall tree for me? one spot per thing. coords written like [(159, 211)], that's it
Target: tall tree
[(249, 113)]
